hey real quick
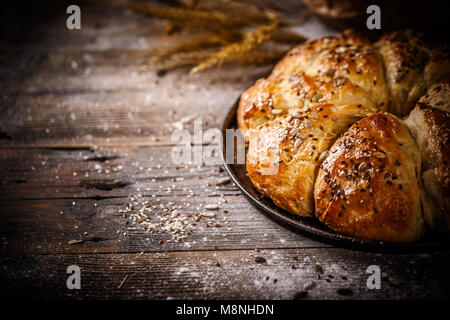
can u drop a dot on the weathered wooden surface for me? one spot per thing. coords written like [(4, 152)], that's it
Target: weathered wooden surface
[(231, 274), (84, 128)]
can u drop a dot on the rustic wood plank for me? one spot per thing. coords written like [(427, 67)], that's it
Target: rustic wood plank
[(111, 108), (228, 275), (61, 113), (39, 184), (105, 172), (86, 87)]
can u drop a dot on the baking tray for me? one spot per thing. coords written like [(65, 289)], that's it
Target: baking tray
[(309, 226)]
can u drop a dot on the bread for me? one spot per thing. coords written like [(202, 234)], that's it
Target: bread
[(284, 155), (429, 122), (338, 71), (343, 14), (411, 67), (340, 13), (368, 187), (348, 78)]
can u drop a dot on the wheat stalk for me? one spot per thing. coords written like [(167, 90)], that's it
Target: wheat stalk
[(239, 11), (192, 58), (218, 24), (235, 50), (184, 59), (209, 40)]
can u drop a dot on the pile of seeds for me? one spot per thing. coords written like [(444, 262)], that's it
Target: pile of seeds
[(168, 219)]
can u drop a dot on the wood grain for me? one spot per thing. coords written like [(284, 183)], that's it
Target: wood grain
[(85, 127), (229, 275)]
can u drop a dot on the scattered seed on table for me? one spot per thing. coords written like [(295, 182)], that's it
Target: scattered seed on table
[(222, 181), (309, 285), (318, 267), (75, 241)]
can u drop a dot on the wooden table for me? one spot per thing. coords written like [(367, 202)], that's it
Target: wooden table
[(85, 127)]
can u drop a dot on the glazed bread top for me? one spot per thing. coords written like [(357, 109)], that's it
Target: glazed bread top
[(338, 71), (284, 155), (368, 186)]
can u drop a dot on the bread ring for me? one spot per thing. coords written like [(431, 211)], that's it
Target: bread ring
[(345, 78), (429, 123)]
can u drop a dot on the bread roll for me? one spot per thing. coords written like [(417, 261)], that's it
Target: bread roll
[(411, 67), (429, 122), (368, 187), (338, 71), (284, 155), (419, 14)]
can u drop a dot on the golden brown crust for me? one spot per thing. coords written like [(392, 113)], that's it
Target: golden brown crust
[(284, 154), (342, 76), (256, 104), (339, 71), (429, 123), (411, 67), (368, 186), (348, 57)]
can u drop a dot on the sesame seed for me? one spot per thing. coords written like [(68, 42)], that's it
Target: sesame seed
[(323, 155), (379, 155)]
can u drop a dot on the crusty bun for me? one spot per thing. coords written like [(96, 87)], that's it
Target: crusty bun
[(343, 77), (338, 71), (411, 67), (368, 187), (429, 122), (284, 155)]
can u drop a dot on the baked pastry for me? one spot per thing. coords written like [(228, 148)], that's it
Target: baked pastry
[(368, 186), (429, 122), (284, 155), (411, 67), (321, 88)]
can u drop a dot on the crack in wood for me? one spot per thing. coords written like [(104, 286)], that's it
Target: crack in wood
[(96, 239), (70, 148), (102, 158), (104, 184)]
